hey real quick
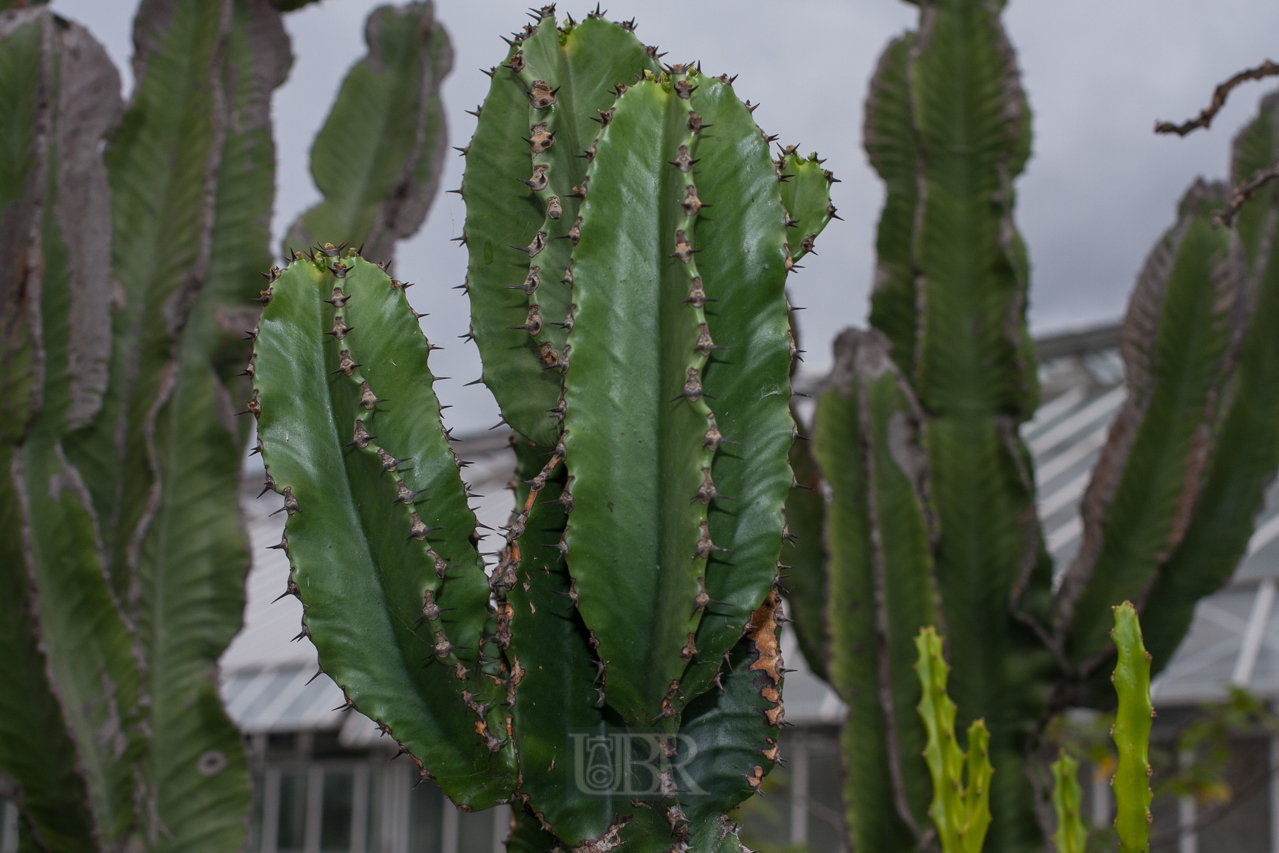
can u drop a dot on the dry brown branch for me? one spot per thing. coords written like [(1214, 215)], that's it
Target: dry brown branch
[(1219, 95), (1243, 192)]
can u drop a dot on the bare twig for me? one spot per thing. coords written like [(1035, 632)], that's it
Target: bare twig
[(1219, 95), (1243, 192)]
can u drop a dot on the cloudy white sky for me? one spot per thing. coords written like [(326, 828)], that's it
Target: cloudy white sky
[(1098, 190)]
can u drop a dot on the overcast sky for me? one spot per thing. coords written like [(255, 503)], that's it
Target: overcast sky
[(1099, 188)]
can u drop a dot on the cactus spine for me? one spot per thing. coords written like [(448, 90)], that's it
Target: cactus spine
[(657, 477), (1168, 512), (123, 557)]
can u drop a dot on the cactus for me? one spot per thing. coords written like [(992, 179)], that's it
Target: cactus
[(66, 644), (1168, 512), (652, 431), (1247, 448), (960, 809), (1071, 835), (123, 556), (1131, 732), (378, 184)]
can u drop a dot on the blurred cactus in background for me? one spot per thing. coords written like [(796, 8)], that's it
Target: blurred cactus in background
[(123, 308), (930, 513)]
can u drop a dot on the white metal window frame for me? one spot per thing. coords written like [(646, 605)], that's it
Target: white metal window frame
[(314, 771)]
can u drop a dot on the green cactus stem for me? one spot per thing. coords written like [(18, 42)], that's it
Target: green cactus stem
[(804, 560), (961, 807), (956, 86), (371, 485), (1131, 732), (881, 588), (378, 158), (1247, 447), (530, 152), (1181, 344), (126, 480), (658, 478), (889, 140), (67, 658), (1071, 835)]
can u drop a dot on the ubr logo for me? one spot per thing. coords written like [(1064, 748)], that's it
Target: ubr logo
[(634, 764)]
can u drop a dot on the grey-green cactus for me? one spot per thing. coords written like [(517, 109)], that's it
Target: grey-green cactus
[(378, 183), (634, 591), (929, 513), (122, 557)]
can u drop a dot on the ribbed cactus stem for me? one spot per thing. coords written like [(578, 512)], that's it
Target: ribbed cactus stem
[(1131, 732), (1071, 835), (960, 810), (352, 440)]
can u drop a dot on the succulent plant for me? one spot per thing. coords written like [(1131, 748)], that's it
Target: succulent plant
[(961, 778), (641, 350), (929, 512), (122, 557)]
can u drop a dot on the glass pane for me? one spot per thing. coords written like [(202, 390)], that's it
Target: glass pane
[(376, 798), (292, 829), (475, 831), (825, 800), (335, 814), (1241, 825), (426, 810), (255, 835)]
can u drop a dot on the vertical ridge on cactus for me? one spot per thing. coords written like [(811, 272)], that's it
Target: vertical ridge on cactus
[(634, 428), (889, 140), (192, 553), (562, 686)]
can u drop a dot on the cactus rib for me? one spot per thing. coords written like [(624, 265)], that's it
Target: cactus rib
[(889, 140), (68, 649), (1247, 449)]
